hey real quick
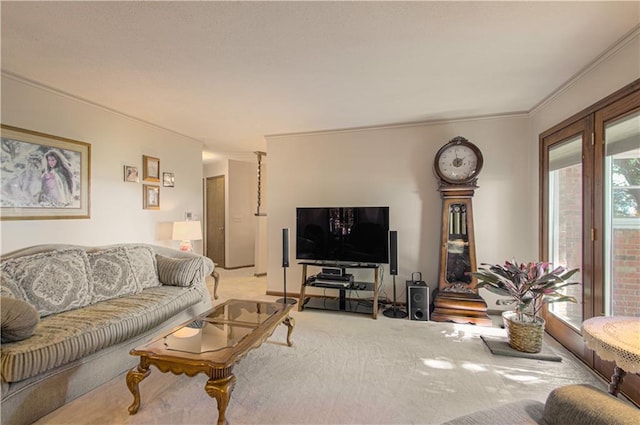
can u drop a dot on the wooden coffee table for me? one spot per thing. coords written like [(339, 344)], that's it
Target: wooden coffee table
[(212, 344)]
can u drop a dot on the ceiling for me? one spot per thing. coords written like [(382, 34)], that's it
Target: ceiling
[(229, 73)]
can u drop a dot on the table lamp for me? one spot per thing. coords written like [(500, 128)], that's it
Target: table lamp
[(186, 231)]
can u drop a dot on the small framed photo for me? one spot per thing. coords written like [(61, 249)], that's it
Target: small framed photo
[(150, 169), (150, 197), (168, 179), (131, 174)]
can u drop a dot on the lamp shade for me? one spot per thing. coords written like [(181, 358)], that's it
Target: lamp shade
[(186, 231)]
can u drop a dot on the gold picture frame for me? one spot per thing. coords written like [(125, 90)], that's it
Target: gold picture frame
[(150, 169), (150, 197), (44, 177)]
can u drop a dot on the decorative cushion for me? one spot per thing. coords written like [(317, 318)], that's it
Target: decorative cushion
[(18, 319), (143, 262), (10, 288), (112, 274), (53, 281), (178, 271)]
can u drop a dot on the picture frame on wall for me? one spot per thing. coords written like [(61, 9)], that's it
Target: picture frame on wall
[(43, 176), (131, 174), (168, 179), (150, 169), (150, 197)]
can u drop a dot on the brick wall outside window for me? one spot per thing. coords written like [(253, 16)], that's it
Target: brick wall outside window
[(626, 271), (625, 254)]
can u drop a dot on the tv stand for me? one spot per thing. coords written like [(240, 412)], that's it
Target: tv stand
[(340, 303)]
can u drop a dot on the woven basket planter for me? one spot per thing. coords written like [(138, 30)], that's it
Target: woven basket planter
[(524, 336)]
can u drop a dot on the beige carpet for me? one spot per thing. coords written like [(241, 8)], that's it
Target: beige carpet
[(342, 369)]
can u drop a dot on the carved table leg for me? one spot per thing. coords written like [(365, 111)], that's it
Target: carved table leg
[(221, 389), (134, 376), (216, 279), (616, 381), (290, 324)]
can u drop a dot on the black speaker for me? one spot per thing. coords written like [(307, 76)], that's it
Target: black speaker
[(285, 247), (418, 300), (393, 252)]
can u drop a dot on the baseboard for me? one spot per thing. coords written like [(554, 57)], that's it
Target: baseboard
[(237, 267), (281, 294)]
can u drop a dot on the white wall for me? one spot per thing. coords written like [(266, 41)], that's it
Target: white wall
[(394, 167), (116, 207), (241, 210)]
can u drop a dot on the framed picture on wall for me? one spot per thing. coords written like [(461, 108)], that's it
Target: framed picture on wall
[(131, 174), (43, 176), (150, 169), (168, 179), (150, 197)]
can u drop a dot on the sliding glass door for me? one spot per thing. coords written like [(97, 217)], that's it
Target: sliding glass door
[(565, 206), (590, 218)]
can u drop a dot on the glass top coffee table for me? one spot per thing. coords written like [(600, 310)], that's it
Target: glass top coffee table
[(211, 344)]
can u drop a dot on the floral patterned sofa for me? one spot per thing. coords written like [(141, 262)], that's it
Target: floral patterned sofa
[(71, 314)]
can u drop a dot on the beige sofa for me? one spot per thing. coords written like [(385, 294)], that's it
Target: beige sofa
[(73, 313), (568, 405)]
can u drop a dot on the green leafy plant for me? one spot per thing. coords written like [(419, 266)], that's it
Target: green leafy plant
[(528, 285)]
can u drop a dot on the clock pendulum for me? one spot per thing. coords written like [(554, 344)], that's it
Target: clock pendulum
[(457, 165)]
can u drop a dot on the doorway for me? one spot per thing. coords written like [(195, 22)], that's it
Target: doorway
[(215, 199)]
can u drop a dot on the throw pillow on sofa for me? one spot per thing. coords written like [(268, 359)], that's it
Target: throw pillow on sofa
[(143, 262), (53, 281), (10, 288), (112, 274), (18, 319), (178, 271)]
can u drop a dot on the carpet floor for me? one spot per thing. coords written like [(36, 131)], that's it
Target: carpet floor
[(343, 368)]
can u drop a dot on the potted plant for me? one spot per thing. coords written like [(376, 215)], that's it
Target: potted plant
[(528, 286)]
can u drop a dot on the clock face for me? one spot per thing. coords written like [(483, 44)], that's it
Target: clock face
[(458, 162)]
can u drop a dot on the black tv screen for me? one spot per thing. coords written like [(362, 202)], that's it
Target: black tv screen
[(343, 234)]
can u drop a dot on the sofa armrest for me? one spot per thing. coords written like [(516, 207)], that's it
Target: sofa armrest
[(521, 412), (586, 405)]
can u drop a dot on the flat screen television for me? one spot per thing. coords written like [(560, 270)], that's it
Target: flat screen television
[(343, 234)]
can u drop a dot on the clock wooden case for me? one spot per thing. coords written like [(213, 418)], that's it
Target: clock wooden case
[(457, 165)]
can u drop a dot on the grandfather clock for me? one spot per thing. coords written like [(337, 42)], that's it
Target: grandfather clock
[(457, 165)]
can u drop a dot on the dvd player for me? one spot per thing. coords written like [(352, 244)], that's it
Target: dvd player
[(331, 283), (339, 278)]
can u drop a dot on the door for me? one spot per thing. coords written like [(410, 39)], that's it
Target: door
[(620, 191), (617, 228), (564, 226), (590, 218), (216, 220)]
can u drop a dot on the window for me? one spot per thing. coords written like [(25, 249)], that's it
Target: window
[(565, 220), (622, 216)]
